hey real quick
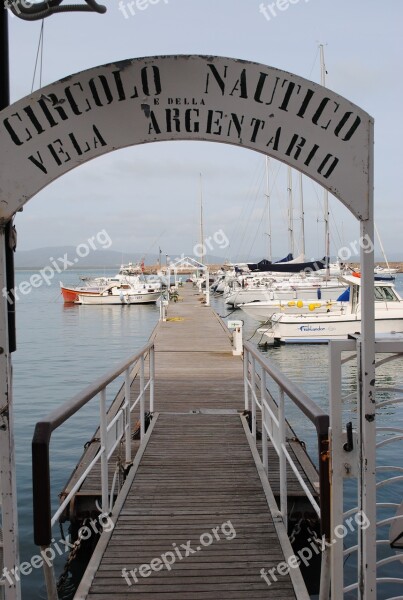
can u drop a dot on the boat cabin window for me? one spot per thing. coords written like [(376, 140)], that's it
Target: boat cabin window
[(385, 294)]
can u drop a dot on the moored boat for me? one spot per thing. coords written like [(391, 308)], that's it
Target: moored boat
[(120, 294), (341, 321)]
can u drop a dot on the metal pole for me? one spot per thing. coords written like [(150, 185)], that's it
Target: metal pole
[(325, 578), (268, 206), (8, 487), (366, 353), (290, 211), (336, 511), (142, 415), (104, 450), (50, 579), (265, 452), (282, 459), (325, 192), (367, 406), (128, 438), (253, 383), (152, 378), (245, 378), (301, 198)]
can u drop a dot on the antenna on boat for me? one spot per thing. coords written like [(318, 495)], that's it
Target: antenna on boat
[(323, 73), (268, 207)]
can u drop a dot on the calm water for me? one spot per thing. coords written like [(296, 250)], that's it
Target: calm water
[(61, 349)]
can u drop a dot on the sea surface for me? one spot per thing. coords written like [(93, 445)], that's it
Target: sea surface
[(62, 348)]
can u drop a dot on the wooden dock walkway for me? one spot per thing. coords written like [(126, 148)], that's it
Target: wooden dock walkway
[(197, 476)]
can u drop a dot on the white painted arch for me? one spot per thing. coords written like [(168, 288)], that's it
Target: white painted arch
[(167, 98), (143, 100)]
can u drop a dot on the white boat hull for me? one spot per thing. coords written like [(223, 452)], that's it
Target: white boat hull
[(243, 296), (285, 328), (263, 311), (122, 299)]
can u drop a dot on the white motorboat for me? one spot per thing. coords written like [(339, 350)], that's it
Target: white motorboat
[(263, 311), (120, 294), (296, 288), (385, 270), (341, 321)]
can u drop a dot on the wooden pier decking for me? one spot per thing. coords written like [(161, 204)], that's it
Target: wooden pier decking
[(196, 476)]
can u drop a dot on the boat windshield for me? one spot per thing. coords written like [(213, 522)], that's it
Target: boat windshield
[(385, 294)]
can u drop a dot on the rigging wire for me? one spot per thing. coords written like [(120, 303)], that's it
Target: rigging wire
[(314, 62), (39, 57)]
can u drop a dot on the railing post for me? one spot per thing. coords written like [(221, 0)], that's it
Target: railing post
[(245, 377), (282, 458), (128, 437), (207, 288), (104, 451), (152, 377), (265, 453), (50, 578), (253, 395), (336, 432), (142, 416)]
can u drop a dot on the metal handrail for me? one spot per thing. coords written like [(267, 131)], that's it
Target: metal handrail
[(45, 428), (365, 547), (311, 410)]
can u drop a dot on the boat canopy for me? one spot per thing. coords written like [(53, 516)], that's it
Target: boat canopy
[(289, 267)]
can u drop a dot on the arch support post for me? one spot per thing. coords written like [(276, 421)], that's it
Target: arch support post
[(367, 399), (8, 487)]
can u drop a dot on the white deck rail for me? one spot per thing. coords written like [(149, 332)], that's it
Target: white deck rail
[(112, 432), (273, 426), (349, 460)]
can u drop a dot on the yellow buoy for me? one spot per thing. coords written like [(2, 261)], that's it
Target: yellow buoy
[(291, 303), (300, 304), (312, 306)]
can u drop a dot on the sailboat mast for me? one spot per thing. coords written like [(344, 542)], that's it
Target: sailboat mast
[(290, 211), (201, 220), (268, 208), (325, 192), (381, 246), (301, 197)]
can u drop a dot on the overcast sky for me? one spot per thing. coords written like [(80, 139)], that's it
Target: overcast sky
[(147, 197)]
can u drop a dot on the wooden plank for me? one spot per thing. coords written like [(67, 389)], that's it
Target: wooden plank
[(196, 474), (158, 517)]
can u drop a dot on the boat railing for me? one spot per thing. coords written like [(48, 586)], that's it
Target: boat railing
[(258, 371), (113, 431), (369, 545)]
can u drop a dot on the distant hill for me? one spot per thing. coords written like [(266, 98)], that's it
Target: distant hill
[(100, 258), (106, 258)]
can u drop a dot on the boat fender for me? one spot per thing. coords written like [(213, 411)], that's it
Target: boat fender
[(312, 306), (300, 304)]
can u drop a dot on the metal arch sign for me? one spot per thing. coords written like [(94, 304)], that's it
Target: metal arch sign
[(216, 99)]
